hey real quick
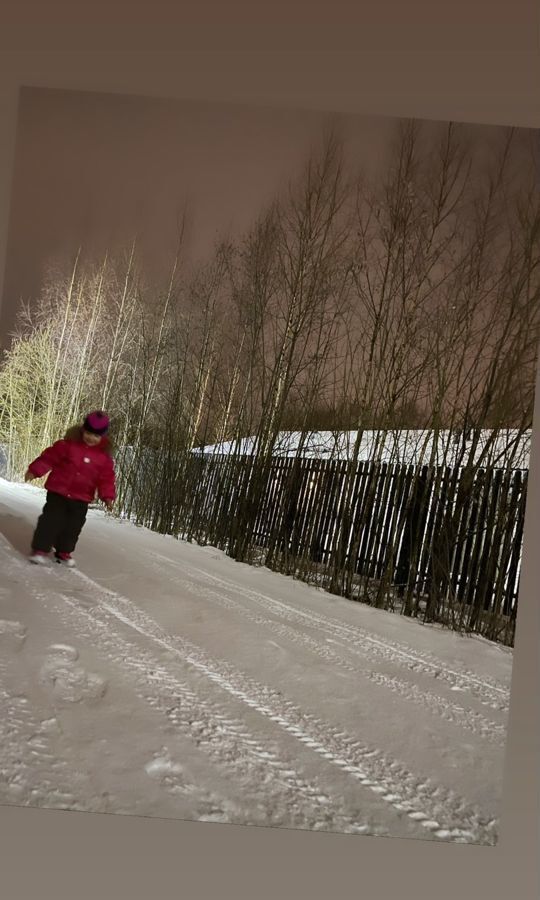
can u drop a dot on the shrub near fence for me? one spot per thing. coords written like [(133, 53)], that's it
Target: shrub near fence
[(439, 543)]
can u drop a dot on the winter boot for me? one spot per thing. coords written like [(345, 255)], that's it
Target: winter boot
[(65, 559), (39, 558)]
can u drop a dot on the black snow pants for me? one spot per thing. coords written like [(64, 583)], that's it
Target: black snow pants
[(60, 524)]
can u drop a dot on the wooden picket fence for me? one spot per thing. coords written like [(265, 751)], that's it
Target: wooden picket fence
[(439, 543)]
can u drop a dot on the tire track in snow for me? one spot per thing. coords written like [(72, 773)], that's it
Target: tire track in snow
[(32, 771), (288, 799), (294, 802), (439, 810), (433, 703), (488, 691)]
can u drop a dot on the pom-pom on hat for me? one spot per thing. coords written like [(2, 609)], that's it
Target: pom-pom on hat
[(97, 423)]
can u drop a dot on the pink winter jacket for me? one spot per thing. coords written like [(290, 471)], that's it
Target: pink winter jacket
[(77, 471)]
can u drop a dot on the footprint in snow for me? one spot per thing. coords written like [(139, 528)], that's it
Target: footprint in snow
[(70, 682), (171, 775), (64, 650), (162, 766), (12, 634)]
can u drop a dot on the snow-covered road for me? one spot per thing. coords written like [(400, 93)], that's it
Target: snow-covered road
[(164, 679)]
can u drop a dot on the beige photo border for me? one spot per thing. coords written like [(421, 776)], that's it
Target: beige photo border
[(474, 62)]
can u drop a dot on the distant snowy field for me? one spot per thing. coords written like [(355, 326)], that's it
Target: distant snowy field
[(164, 679)]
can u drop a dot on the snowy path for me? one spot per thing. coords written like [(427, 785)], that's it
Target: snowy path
[(165, 679)]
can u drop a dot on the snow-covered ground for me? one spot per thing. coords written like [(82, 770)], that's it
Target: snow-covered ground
[(164, 679)]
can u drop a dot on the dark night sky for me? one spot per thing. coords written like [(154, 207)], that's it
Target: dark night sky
[(94, 169)]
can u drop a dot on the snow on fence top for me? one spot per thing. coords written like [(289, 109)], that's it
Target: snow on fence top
[(505, 448)]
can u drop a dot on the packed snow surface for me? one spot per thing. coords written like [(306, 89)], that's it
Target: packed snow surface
[(162, 678)]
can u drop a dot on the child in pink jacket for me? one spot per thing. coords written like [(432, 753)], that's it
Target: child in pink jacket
[(80, 466)]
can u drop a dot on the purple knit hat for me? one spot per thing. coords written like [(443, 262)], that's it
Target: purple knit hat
[(97, 423)]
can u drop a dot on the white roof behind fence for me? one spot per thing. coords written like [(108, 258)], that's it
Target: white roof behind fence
[(507, 448)]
